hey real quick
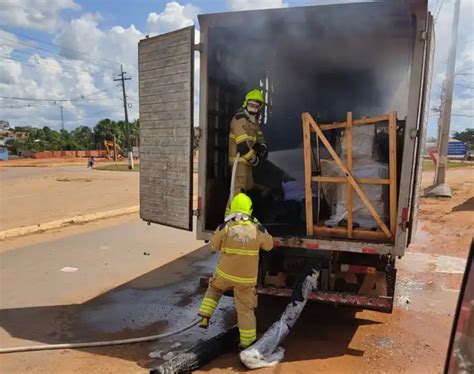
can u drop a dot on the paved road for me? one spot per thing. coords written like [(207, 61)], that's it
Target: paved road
[(120, 291)]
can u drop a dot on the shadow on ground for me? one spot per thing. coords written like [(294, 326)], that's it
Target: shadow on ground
[(166, 299), (466, 206)]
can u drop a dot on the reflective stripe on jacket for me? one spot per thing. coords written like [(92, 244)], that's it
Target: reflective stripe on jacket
[(243, 136), (239, 243)]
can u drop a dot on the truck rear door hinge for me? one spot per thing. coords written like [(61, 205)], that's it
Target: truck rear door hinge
[(196, 212), (198, 47), (414, 133), (423, 35), (405, 225)]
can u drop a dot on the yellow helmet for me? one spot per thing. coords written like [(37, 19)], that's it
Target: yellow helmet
[(254, 95), (241, 204)]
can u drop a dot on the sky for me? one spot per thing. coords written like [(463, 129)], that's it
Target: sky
[(66, 53)]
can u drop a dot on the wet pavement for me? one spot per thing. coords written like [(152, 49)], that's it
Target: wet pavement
[(130, 282), (167, 298)]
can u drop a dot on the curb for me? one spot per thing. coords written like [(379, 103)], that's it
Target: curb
[(26, 230)]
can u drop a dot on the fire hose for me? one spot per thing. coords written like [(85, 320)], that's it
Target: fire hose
[(47, 347)]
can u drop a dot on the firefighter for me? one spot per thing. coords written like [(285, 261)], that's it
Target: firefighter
[(246, 139), (239, 241)]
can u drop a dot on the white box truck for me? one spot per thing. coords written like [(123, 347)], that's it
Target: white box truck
[(368, 58)]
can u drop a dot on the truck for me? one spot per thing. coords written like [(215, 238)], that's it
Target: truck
[(366, 58)]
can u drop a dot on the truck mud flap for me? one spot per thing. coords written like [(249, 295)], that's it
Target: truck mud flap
[(378, 303)]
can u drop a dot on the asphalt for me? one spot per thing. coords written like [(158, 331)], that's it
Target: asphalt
[(127, 284), (134, 280)]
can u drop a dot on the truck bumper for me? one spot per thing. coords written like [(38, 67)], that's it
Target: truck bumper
[(379, 303)]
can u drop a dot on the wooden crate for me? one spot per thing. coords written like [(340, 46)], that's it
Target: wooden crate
[(383, 233)]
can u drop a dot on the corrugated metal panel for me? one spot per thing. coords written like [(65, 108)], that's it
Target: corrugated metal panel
[(166, 122)]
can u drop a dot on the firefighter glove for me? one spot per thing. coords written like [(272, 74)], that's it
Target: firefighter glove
[(261, 150), (254, 161)]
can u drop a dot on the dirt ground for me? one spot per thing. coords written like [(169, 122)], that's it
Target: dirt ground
[(413, 339), (32, 195), (58, 161), (446, 226)]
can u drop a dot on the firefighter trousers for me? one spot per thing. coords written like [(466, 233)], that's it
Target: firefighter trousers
[(245, 297), (243, 178), (243, 182)]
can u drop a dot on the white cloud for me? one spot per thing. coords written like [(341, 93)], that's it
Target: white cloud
[(8, 42), (175, 16), (88, 58), (253, 4), (10, 72), (34, 14), (94, 58)]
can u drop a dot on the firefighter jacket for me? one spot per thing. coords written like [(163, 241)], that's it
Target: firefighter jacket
[(239, 243), (243, 136)]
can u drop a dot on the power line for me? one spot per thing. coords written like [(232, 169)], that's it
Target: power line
[(46, 64), (90, 115), (439, 10), (63, 48), (83, 102), (49, 51), (27, 55), (82, 97), (36, 65)]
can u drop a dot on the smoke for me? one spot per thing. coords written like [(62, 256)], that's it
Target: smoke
[(325, 60)]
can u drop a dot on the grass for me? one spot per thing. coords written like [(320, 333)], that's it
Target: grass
[(429, 166), (117, 167)]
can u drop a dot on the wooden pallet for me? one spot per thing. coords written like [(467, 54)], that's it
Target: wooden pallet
[(310, 126)]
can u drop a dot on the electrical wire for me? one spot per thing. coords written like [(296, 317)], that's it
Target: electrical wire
[(439, 10), (64, 48), (49, 51), (65, 65), (46, 63), (90, 115), (82, 97), (46, 66), (47, 347)]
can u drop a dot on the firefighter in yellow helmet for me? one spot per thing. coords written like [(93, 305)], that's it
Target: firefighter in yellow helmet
[(239, 240), (246, 139)]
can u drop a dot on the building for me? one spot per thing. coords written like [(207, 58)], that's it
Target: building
[(10, 134), (3, 153)]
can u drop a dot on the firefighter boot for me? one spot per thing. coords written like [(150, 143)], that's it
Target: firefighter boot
[(204, 323)]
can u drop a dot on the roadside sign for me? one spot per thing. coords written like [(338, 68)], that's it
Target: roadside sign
[(457, 149)]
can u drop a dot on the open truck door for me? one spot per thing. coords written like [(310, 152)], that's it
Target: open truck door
[(166, 77), (415, 132), (424, 111)]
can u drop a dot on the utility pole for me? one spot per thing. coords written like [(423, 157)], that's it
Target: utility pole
[(62, 118), (440, 188), (122, 78)]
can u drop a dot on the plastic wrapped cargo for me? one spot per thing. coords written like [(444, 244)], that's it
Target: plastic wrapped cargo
[(336, 194), (267, 352), (362, 142)]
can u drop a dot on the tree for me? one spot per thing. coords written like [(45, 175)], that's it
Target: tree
[(466, 136), (135, 132), (83, 137), (106, 129)]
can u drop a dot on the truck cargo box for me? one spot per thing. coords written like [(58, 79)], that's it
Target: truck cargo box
[(365, 58)]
